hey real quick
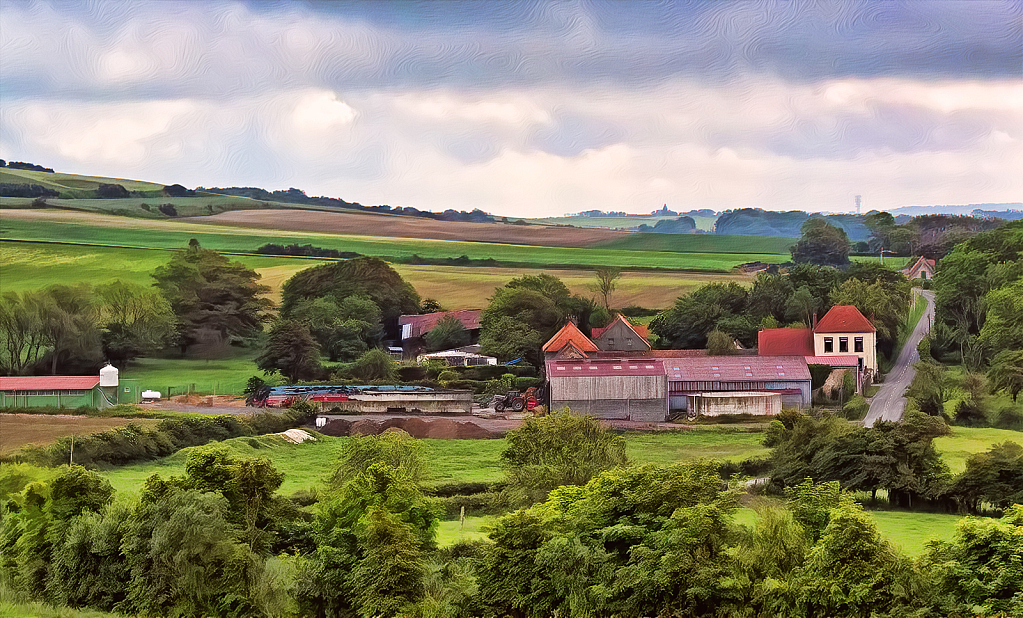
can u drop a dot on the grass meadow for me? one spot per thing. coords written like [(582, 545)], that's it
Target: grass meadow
[(73, 227), (710, 243), (225, 373), (702, 223), (956, 448)]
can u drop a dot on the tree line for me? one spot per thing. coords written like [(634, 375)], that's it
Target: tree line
[(590, 535)]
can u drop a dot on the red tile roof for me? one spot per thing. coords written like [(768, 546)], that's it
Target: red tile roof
[(785, 342), (572, 368), (737, 369), (424, 323), (677, 353), (47, 383), (569, 333), (844, 319)]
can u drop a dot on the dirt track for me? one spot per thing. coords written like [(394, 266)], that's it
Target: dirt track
[(409, 227)]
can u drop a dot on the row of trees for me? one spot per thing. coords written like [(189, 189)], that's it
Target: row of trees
[(978, 317), (598, 537), (200, 299), (790, 298)]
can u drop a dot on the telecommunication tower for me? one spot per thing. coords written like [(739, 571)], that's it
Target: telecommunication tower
[(858, 198)]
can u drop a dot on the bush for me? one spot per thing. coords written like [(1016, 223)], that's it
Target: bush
[(633, 311), (412, 373), (818, 375), (521, 384), (856, 408), (449, 376)]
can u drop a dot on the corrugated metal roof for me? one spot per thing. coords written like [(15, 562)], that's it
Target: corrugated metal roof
[(834, 361), (785, 342), (604, 367), (422, 324), (47, 383), (736, 368), (844, 319)]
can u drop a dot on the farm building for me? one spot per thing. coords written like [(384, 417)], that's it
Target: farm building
[(922, 268), (99, 391), (693, 377), (614, 378), (467, 356), (414, 327), (842, 336), (632, 389)]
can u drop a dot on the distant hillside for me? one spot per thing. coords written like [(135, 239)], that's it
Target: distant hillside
[(760, 222), (993, 210)]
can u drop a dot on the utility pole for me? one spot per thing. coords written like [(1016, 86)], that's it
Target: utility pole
[(71, 456)]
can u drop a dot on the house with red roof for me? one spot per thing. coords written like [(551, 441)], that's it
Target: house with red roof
[(922, 268), (621, 336), (414, 327), (844, 337)]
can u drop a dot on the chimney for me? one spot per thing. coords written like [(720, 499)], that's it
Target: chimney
[(814, 320)]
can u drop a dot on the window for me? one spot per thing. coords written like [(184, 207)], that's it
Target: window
[(829, 345), (843, 344), (628, 341), (858, 344), (610, 342)]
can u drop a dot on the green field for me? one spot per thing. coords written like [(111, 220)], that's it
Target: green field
[(707, 243), (72, 185), (909, 532), (139, 233), (305, 465), (225, 374), (955, 449)]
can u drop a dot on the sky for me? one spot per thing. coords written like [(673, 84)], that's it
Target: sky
[(528, 109)]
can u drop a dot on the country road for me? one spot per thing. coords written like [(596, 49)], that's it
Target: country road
[(890, 402)]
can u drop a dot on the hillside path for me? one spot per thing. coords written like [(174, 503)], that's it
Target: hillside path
[(890, 401)]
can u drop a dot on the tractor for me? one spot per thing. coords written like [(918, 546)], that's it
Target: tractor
[(512, 400)]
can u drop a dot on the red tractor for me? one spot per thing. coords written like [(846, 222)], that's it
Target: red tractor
[(512, 400)]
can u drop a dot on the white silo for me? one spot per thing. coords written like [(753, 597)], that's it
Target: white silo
[(108, 376)]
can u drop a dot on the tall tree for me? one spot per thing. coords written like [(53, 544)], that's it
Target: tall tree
[(213, 298), (689, 321), (136, 320), (21, 331), (291, 350), (448, 333), (821, 243), (70, 325), (606, 283)]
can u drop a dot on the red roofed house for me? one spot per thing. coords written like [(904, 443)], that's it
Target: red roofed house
[(843, 338), (569, 342), (923, 268), (67, 391), (843, 331), (414, 327)]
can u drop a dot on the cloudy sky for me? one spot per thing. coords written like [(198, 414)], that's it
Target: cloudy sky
[(528, 109)]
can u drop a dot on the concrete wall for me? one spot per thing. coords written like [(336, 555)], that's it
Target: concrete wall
[(716, 404)]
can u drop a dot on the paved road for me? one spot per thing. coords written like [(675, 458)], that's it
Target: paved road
[(890, 402)]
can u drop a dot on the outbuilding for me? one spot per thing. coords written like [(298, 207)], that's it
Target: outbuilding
[(633, 389), (788, 376), (99, 391)]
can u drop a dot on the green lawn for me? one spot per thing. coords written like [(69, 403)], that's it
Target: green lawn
[(955, 449), (702, 223), (909, 532), (222, 376), (453, 531)]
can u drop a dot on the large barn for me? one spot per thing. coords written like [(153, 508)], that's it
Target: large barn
[(632, 389), (691, 377), (617, 376), (99, 391)]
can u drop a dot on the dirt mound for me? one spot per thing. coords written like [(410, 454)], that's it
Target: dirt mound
[(438, 428)]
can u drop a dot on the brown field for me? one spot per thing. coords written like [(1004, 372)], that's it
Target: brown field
[(409, 227), (18, 430), (467, 287)]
